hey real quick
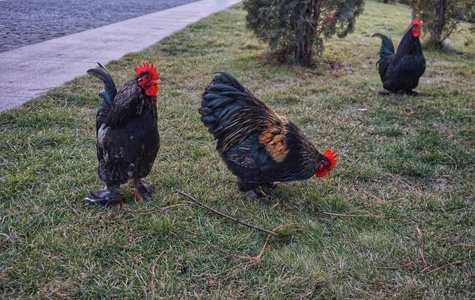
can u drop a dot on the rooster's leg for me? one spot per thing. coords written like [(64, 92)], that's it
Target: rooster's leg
[(256, 191), (109, 196), (412, 93), (143, 189), (273, 185)]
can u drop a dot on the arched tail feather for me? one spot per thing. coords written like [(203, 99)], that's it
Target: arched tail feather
[(109, 92), (387, 46), (223, 100)]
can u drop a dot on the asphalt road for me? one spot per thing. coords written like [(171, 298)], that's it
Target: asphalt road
[(26, 22)]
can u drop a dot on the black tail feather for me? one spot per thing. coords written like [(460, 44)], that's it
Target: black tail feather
[(109, 92), (228, 80), (222, 98), (387, 46)]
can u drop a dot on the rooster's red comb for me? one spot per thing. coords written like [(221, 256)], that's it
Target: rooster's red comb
[(417, 22), (146, 67), (331, 157)]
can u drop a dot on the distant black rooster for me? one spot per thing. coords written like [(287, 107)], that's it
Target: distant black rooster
[(259, 146), (401, 71), (127, 134)]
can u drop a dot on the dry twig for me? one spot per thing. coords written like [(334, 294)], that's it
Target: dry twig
[(225, 216), (404, 181), (154, 264), (71, 207), (457, 262), (453, 160), (421, 245), (380, 201), (236, 269), (252, 259), (465, 245), (345, 215), (9, 238)]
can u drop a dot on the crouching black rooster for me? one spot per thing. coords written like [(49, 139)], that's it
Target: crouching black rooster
[(259, 146)]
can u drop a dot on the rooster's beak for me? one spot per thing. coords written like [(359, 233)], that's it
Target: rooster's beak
[(158, 82)]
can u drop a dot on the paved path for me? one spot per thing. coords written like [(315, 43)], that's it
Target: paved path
[(27, 22), (30, 71)]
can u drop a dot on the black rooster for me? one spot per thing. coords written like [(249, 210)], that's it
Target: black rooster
[(259, 146), (127, 134), (401, 71)]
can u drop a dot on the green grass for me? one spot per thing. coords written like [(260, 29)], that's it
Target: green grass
[(395, 219)]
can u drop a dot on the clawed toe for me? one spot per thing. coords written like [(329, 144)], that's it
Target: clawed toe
[(104, 197), (143, 190), (274, 185), (258, 193), (412, 93)]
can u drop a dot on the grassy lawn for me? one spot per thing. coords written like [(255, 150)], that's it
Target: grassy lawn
[(396, 218)]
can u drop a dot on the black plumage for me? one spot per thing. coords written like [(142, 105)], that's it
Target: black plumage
[(401, 71), (127, 136), (258, 146)]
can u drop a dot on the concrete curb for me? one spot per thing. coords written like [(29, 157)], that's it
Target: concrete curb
[(31, 71)]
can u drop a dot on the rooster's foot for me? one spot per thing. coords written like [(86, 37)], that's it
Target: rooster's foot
[(412, 93), (143, 190), (105, 197), (384, 93), (273, 185), (258, 193)]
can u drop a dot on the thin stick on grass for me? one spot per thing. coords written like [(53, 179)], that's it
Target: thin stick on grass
[(9, 238), (375, 197), (404, 181), (454, 161), (225, 216), (465, 245), (350, 215), (154, 264), (253, 259), (406, 265), (457, 262), (70, 206), (421, 244)]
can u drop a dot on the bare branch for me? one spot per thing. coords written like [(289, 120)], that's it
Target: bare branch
[(457, 262), (406, 265), (154, 264), (225, 216), (252, 259), (421, 244), (345, 215), (465, 245)]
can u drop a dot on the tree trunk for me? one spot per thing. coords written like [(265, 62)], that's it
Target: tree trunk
[(303, 55), (304, 49), (439, 24)]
